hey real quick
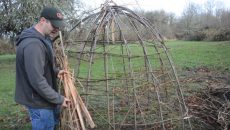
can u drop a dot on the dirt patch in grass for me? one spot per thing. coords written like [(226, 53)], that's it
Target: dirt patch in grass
[(204, 78)]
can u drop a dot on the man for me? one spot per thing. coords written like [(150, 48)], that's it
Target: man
[(36, 86)]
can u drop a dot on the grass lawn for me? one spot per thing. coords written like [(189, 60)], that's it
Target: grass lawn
[(186, 54), (12, 116), (191, 54)]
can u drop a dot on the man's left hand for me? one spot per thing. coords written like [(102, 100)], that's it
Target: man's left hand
[(61, 74)]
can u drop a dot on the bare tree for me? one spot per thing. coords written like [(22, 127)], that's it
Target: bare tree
[(189, 17), (224, 18), (162, 20)]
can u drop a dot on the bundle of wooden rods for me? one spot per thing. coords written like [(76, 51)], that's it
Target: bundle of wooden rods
[(76, 114)]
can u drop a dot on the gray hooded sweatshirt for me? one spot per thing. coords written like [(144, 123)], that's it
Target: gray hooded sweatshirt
[(35, 72)]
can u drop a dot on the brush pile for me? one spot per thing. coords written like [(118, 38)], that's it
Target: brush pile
[(211, 108)]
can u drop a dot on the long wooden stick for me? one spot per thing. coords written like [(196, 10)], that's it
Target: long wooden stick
[(77, 107)]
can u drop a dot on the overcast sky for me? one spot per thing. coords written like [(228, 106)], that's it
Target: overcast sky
[(175, 6)]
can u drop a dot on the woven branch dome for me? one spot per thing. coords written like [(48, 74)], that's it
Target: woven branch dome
[(124, 71)]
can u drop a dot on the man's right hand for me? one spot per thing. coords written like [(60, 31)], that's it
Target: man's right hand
[(66, 102)]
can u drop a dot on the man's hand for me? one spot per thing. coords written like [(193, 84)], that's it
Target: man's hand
[(61, 74), (66, 102)]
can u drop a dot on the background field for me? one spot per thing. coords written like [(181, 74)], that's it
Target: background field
[(187, 56)]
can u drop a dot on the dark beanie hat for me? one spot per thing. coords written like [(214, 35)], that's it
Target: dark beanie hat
[(54, 15)]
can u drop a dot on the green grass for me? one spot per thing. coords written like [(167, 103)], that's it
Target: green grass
[(185, 54), (7, 59), (12, 115)]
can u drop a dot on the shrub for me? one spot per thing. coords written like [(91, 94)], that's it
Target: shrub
[(6, 47), (196, 36)]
